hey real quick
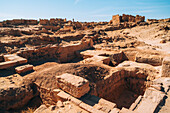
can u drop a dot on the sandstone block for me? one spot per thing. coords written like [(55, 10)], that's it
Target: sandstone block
[(109, 104), (74, 100), (115, 110), (97, 59), (154, 60), (19, 59), (8, 64), (124, 110), (166, 67), (89, 108), (24, 68), (74, 85), (63, 96), (151, 100)]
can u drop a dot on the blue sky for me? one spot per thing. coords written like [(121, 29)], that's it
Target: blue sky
[(82, 10)]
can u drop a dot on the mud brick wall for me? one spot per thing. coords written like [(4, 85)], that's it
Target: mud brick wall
[(19, 22), (116, 19), (60, 53)]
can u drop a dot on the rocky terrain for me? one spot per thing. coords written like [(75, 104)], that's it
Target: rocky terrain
[(63, 66)]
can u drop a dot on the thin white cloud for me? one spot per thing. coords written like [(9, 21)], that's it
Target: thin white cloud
[(76, 1)]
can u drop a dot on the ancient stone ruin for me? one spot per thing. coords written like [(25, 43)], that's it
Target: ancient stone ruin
[(116, 19), (63, 66)]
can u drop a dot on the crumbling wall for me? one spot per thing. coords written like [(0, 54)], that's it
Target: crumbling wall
[(20, 22), (52, 21), (43, 22), (116, 19), (158, 20), (61, 53)]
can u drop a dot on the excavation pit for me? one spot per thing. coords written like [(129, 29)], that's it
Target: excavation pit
[(122, 95), (124, 84)]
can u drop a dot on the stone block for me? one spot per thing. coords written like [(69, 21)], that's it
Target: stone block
[(19, 59), (124, 110), (152, 98), (74, 100), (166, 67), (72, 84), (97, 59), (54, 94), (115, 110), (8, 64), (63, 96), (104, 102), (24, 68), (155, 60), (89, 108)]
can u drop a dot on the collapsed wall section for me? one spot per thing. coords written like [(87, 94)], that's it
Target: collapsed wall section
[(64, 53), (117, 19)]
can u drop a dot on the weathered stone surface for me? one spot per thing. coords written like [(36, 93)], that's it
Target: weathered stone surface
[(15, 97), (166, 67), (115, 110), (89, 108), (63, 96), (155, 60), (97, 59), (74, 85), (24, 68), (151, 100), (125, 110), (116, 19), (8, 64), (67, 107), (12, 60), (74, 100), (11, 57)]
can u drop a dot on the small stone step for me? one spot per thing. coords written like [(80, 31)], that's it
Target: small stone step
[(24, 68), (8, 64)]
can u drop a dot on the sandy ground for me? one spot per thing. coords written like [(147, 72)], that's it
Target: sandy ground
[(150, 34)]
